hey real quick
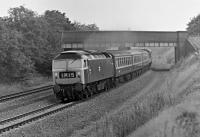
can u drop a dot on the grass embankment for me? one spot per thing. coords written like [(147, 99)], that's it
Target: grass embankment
[(182, 120), (136, 112)]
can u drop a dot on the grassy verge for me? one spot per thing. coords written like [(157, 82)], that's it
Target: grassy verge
[(130, 118)]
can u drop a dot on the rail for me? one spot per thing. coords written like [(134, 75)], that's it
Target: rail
[(20, 120), (25, 93)]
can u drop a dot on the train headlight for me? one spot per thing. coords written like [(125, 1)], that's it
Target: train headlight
[(78, 74), (56, 74)]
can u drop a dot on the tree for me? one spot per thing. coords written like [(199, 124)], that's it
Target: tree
[(14, 63), (57, 20), (83, 27), (28, 41), (58, 23), (194, 26)]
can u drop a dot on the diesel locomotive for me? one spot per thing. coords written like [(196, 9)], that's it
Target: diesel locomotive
[(78, 73)]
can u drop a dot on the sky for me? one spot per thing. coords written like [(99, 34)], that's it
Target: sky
[(146, 15)]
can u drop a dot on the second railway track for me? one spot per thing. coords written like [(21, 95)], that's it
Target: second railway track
[(20, 120), (25, 93)]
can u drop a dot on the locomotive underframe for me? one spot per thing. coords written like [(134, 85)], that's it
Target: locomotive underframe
[(81, 91)]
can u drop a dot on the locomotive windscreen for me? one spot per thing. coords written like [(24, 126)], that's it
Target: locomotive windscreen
[(67, 56), (67, 63)]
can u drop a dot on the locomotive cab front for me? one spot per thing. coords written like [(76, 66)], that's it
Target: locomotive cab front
[(68, 73)]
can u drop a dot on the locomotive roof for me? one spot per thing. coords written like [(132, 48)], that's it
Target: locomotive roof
[(85, 54)]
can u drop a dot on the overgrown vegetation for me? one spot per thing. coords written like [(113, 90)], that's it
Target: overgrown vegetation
[(188, 122), (124, 122), (194, 26), (29, 41)]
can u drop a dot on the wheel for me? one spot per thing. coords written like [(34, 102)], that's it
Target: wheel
[(106, 87), (94, 89), (63, 100), (116, 82), (79, 95), (89, 91)]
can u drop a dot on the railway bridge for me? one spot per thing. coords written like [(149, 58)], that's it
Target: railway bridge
[(102, 40)]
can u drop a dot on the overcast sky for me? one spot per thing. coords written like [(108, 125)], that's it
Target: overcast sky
[(165, 15)]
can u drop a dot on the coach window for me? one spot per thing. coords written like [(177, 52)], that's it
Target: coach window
[(139, 58), (85, 63), (117, 62), (135, 59)]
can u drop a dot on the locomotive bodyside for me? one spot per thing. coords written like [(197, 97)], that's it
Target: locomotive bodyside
[(77, 72)]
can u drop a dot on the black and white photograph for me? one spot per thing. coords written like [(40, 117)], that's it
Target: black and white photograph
[(99, 68)]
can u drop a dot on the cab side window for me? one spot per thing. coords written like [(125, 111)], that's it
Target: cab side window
[(85, 64)]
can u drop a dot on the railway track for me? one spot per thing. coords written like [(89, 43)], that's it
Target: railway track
[(24, 93), (20, 120)]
